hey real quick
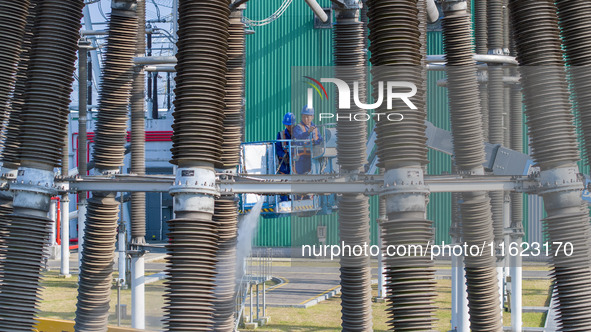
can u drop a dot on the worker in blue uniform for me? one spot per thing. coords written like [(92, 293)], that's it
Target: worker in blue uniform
[(306, 130), (282, 148)]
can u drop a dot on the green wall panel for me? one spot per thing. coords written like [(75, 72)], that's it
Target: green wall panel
[(290, 41)]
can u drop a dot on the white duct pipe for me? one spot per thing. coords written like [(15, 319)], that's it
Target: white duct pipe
[(432, 11), (318, 11), (53, 217), (488, 58), (122, 253), (65, 236), (138, 312), (455, 274), (516, 290)]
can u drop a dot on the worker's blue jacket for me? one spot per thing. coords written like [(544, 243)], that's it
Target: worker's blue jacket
[(282, 150), (304, 161)]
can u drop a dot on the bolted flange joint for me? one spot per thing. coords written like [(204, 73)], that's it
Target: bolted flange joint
[(405, 190), (194, 189), (404, 181), (33, 189), (560, 179)]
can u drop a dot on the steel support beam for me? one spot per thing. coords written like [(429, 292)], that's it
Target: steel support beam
[(271, 184)]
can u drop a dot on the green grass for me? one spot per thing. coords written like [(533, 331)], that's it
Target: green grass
[(60, 302), (326, 316)]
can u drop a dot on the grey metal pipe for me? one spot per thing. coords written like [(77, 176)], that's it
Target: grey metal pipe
[(432, 11), (154, 60), (160, 68), (317, 9), (488, 58)]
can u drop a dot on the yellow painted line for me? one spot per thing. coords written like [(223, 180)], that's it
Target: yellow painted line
[(285, 282), (316, 296)]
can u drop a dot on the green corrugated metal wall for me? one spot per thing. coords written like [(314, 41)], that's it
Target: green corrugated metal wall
[(292, 41)]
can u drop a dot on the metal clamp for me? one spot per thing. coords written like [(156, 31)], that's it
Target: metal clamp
[(404, 181), (560, 179)]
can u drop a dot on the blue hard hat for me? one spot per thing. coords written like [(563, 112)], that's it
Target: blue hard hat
[(289, 119), (307, 110)]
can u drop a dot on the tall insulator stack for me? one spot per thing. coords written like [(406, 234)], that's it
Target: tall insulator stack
[(9, 34), (138, 130), (395, 37), (43, 131), (12, 30), (554, 144), (226, 217), (197, 147), (468, 140), (226, 208), (575, 24), (353, 210), (96, 268), (496, 103)]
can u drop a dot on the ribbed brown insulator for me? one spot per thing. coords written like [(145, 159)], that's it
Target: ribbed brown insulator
[(191, 261), (496, 200), (96, 268), (234, 111), (575, 24), (349, 59), (545, 88), (411, 278), (115, 91), (94, 287), (226, 219), (516, 128), (396, 32), (12, 29), (476, 223), (480, 26), (463, 94), (200, 81), (138, 133), (353, 213), (20, 288), (12, 142), (496, 105), (571, 273), (398, 143), (51, 69), (44, 123), (495, 24), (554, 144)]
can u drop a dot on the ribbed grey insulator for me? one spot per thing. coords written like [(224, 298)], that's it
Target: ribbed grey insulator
[(96, 268), (554, 144), (468, 140), (138, 133)]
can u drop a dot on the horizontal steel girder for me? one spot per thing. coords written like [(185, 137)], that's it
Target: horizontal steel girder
[(304, 184)]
